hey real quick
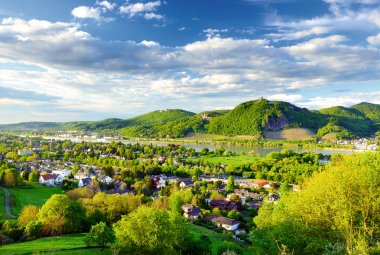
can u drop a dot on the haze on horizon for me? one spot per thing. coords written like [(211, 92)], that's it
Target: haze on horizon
[(94, 59)]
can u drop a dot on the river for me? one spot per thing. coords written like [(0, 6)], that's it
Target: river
[(199, 147)]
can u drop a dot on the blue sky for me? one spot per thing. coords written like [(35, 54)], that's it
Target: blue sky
[(68, 60)]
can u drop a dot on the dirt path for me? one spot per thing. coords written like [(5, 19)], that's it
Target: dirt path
[(7, 209)]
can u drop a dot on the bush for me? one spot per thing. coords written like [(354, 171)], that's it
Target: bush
[(100, 235), (33, 230), (228, 246)]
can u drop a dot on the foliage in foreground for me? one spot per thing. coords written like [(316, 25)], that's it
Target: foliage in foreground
[(337, 208)]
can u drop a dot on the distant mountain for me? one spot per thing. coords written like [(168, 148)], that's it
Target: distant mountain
[(251, 118), (156, 117)]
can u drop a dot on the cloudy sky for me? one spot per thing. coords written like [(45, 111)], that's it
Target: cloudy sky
[(66, 60)]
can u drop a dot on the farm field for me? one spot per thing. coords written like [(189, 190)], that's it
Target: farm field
[(32, 194), (70, 244), (290, 134)]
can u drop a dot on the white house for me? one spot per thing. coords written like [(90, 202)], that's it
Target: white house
[(64, 173), (25, 152), (226, 223), (84, 182), (80, 175), (47, 179)]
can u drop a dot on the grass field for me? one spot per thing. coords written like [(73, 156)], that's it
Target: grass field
[(233, 160), (202, 137), (33, 194), (215, 238), (70, 244)]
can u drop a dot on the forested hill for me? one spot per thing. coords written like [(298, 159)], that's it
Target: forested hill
[(251, 118)]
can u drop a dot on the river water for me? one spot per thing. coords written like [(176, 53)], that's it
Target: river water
[(199, 147)]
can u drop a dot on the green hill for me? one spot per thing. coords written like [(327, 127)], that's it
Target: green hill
[(159, 117), (371, 111), (253, 118), (346, 121)]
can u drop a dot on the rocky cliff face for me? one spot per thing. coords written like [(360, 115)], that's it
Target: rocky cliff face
[(275, 123)]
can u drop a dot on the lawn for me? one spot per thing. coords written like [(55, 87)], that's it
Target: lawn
[(32, 194), (70, 244), (231, 160), (215, 238)]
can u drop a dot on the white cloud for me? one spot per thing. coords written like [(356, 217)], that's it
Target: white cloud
[(93, 75), (374, 40), (299, 34), (137, 8), (152, 15), (107, 6), (293, 98), (85, 12), (344, 100)]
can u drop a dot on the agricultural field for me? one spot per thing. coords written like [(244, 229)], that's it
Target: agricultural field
[(32, 194), (290, 134), (70, 244), (230, 160)]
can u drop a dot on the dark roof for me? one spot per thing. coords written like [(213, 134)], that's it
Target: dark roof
[(223, 204), (85, 181), (225, 221)]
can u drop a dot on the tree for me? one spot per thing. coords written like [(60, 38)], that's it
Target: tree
[(236, 199), (100, 235), (34, 175), (9, 179), (150, 231), (28, 214), (108, 171), (33, 230), (230, 184), (338, 206), (61, 215)]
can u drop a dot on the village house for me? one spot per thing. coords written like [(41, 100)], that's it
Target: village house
[(186, 182), (273, 198), (79, 175), (224, 222), (223, 204), (262, 184), (191, 212), (84, 182), (244, 194), (50, 179)]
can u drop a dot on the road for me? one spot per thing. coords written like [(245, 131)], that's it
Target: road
[(7, 209)]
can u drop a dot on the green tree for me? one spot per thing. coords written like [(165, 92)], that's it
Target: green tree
[(33, 230), (337, 206), (100, 235), (230, 184), (34, 175), (150, 231), (61, 215)]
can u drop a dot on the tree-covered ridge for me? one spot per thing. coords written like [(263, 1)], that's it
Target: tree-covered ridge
[(371, 111), (250, 118), (172, 129), (246, 119)]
